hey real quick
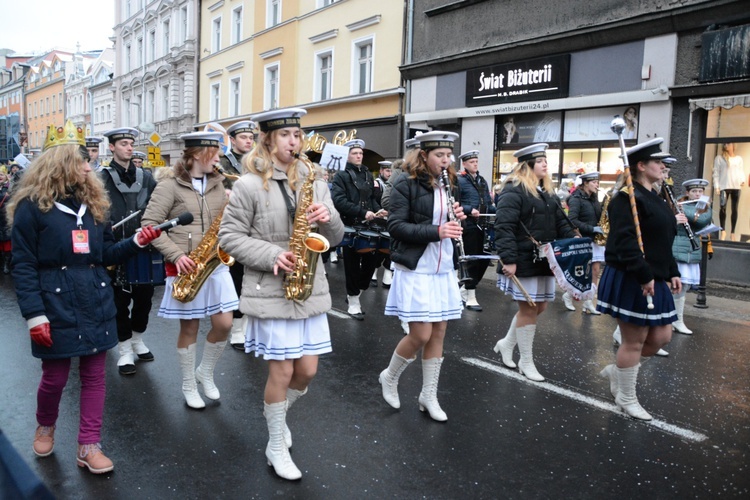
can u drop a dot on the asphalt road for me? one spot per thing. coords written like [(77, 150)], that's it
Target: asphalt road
[(505, 437)]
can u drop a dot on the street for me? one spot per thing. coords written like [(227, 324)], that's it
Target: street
[(505, 437)]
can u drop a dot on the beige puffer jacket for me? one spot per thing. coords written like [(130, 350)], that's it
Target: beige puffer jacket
[(255, 229), (174, 195)]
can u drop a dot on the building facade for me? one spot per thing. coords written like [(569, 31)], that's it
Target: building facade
[(44, 97), (101, 95), (337, 59), (156, 66), (677, 70), (12, 111)]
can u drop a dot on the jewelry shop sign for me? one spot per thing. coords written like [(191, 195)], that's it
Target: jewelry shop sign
[(533, 80)]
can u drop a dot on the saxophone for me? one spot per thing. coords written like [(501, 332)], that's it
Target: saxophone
[(207, 257), (305, 244), (601, 239)]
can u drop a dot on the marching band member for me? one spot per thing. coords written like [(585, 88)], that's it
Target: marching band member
[(632, 274), (688, 260), (424, 291), (129, 187), (475, 200), (354, 197), (193, 186), (384, 259), (242, 139), (527, 208), (92, 146), (256, 229), (585, 210), (62, 242)]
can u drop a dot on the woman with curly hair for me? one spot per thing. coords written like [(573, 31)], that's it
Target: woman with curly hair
[(424, 292), (62, 243)]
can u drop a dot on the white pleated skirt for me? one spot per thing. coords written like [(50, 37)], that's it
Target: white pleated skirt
[(598, 253), (540, 288), (690, 274), (428, 298), (215, 296), (280, 339)]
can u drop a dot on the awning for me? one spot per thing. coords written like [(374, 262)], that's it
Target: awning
[(709, 103), (726, 102)]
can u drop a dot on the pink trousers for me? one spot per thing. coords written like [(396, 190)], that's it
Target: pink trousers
[(55, 377)]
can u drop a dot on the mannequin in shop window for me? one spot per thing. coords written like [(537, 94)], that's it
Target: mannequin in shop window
[(729, 178)]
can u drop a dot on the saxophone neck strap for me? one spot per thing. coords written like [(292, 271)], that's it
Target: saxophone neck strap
[(287, 199)]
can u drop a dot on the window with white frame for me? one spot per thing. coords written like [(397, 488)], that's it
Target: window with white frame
[(273, 12), (325, 3), (139, 52), (127, 58), (234, 96), (165, 34), (150, 105), (60, 100), (128, 8), (323, 75), (127, 112), (109, 113), (215, 101), (216, 34), (184, 23), (237, 25), (165, 102), (271, 94), (363, 66), (151, 45), (54, 103)]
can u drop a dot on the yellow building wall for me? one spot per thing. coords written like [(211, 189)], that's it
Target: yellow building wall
[(38, 121)]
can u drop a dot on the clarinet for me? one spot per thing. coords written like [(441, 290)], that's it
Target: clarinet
[(463, 273), (677, 208)]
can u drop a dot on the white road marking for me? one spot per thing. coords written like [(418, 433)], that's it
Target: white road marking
[(338, 314), (588, 400)]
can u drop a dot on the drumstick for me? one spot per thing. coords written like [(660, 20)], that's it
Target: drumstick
[(517, 282)]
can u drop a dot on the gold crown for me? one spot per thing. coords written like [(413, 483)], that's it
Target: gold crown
[(69, 134)]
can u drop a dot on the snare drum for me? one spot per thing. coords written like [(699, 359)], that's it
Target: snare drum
[(145, 268), (384, 244), (349, 234), (366, 241)]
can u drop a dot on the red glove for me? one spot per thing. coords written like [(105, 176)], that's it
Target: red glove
[(147, 235), (41, 335)]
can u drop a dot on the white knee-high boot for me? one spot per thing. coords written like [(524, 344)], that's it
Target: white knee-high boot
[(610, 372), (292, 395), (389, 379), (189, 386), (139, 348), (428, 397), (205, 372), (237, 335), (626, 399), (276, 452), (679, 325), (525, 335), (505, 346)]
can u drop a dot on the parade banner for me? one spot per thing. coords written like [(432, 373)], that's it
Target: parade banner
[(570, 262)]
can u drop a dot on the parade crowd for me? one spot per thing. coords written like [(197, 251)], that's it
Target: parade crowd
[(240, 234)]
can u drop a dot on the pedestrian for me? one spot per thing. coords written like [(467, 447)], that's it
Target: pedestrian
[(477, 203), (424, 222), (62, 242), (528, 213), (689, 258), (129, 188), (384, 173), (195, 187), (258, 229), (585, 212), (353, 194), (5, 245), (639, 271)]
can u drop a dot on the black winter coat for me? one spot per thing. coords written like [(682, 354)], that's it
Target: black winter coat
[(353, 194), (410, 219), (71, 289), (4, 199), (475, 194), (585, 211), (544, 219)]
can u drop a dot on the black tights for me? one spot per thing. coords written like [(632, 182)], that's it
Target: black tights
[(734, 194)]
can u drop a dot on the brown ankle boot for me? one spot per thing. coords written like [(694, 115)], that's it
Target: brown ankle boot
[(44, 440), (91, 456)]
